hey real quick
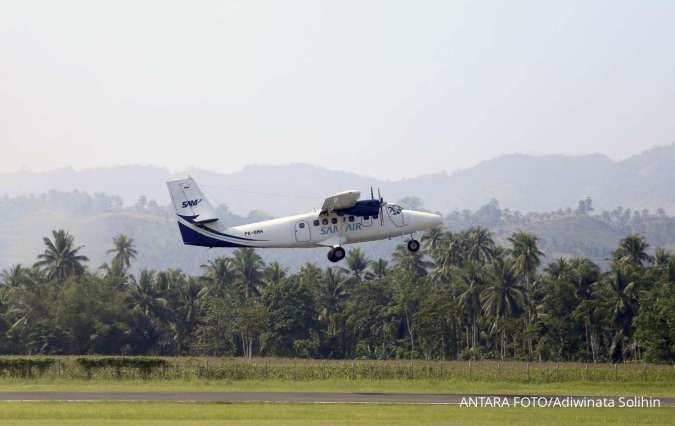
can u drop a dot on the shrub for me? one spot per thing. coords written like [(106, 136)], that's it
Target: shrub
[(145, 365), (25, 367)]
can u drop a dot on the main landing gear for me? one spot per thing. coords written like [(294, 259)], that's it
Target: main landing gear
[(413, 245), (336, 254)]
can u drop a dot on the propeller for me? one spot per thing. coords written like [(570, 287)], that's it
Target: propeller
[(379, 196)]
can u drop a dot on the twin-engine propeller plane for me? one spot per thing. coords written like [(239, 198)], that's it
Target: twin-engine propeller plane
[(343, 219)]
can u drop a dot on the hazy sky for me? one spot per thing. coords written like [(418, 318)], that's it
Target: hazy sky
[(388, 89)]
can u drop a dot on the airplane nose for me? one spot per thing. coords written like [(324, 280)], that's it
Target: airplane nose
[(429, 219)]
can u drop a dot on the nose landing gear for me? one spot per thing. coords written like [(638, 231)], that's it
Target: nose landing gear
[(413, 245), (336, 254)]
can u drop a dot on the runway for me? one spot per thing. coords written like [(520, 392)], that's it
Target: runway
[(324, 397)]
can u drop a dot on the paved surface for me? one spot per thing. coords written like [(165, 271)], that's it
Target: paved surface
[(292, 397)]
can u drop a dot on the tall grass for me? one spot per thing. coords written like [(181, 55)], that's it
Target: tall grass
[(236, 369)]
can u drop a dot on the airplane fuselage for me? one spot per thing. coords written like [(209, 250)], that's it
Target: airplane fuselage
[(311, 229)]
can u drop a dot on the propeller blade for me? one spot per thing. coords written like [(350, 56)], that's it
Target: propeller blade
[(379, 196), (372, 197)]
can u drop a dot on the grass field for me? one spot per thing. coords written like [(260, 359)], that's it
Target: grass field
[(292, 375), (69, 373), (421, 386), (298, 370), (323, 414)]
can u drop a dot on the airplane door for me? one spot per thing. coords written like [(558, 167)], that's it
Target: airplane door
[(395, 214), (302, 232)]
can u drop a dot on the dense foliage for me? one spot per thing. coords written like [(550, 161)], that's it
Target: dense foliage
[(462, 297)]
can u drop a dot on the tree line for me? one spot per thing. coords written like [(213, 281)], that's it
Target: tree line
[(461, 297)]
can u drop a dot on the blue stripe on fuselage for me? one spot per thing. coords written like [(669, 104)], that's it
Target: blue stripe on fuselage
[(191, 219), (194, 238)]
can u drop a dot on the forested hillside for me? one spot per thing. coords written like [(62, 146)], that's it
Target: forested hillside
[(97, 218), (520, 182)]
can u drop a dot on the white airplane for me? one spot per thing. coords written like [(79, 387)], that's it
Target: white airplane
[(342, 219)]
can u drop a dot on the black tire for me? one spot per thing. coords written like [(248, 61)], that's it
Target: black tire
[(413, 245), (336, 254), (339, 253)]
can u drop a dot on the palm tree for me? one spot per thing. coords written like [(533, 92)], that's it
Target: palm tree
[(527, 257), (310, 275), (471, 276), (219, 273), (560, 269), (332, 296), (124, 251), (60, 260), (585, 279), (432, 238), (622, 301), (186, 313), (145, 298), (665, 263), (377, 269), (14, 277), (357, 263), (248, 265), (633, 251), (661, 256), (27, 299), (274, 273), (412, 262), (448, 256), (480, 245), (526, 254), (503, 297)]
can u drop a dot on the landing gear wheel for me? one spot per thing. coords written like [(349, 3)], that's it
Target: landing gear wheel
[(413, 245), (336, 254)]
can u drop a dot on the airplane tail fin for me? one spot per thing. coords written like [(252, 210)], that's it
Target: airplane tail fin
[(189, 201)]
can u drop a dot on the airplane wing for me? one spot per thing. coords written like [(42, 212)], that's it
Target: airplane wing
[(334, 241), (341, 200)]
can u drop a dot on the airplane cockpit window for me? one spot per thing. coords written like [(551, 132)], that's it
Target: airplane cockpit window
[(394, 209)]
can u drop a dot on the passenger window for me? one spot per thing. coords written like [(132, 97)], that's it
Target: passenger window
[(375, 216), (333, 220), (366, 217), (316, 223), (351, 218), (301, 225), (325, 221)]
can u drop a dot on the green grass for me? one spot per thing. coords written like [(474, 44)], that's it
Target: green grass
[(299, 370), (43, 413), (67, 373), (422, 386)]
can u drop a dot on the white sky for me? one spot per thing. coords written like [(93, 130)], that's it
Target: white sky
[(388, 89)]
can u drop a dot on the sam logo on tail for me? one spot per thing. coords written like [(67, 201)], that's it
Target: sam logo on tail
[(191, 203)]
